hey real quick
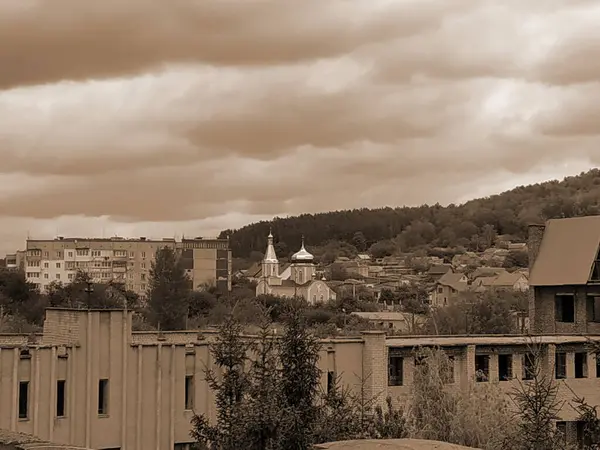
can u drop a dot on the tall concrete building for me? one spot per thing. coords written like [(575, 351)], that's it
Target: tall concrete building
[(124, 260)]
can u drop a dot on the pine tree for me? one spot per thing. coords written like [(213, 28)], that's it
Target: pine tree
[(339, 415), (299, 356), (537, 403), (263, 404), (169, 291), (230, 354)]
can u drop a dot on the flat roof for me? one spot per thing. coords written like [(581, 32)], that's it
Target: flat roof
[(452, 341)]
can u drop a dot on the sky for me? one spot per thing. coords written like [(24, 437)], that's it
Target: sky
[(187, 117)]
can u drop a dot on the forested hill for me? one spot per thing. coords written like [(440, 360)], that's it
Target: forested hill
[(469, 225)]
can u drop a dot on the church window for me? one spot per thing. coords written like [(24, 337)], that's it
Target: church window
[(300, 277)]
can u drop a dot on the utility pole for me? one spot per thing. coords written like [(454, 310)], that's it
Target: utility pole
[(88, 290)]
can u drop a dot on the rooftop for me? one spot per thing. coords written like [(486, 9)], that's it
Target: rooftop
[(391, 444), (123, 239), (452, 341), (567, 252)]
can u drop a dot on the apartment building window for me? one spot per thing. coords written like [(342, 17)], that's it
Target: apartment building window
[(120, 252), (33, 263), (189, 392), (59, 255), (34, 252), (132, 254), (581, 365), (45, 265), (33, 274), (593, 309), (24, 400), (58, 276), (103, 397), (143, 277), (560, 366), (395, 371), (529, 366), (83, 252), (482, 368), (70, 276), (564, 308), (96, 253), (46, 276), (58, 265), (143, 265), (505, 367), (61, 398), (143, 287), (70, 254), (45, 254), (143, 254)]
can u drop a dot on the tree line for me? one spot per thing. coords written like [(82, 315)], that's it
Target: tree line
[(269, 396), (472, 225)]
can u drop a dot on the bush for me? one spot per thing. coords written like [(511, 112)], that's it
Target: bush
[(477, 418), (318, 316)]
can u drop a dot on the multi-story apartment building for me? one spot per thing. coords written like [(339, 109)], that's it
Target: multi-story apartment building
[(14, 261), (89, 380), (124, 260)]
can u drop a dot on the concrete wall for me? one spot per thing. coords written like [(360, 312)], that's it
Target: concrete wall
[(465, 379), (146, 373)]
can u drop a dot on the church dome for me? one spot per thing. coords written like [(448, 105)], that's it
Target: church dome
[(302, 255)]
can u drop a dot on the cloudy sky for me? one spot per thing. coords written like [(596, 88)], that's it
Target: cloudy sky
[(157, 118)]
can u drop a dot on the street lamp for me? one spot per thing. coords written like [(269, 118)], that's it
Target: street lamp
[(88, 290)]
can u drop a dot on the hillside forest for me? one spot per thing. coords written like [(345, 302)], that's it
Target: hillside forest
[(473, 226)]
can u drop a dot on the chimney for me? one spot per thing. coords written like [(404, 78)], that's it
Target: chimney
[(535, 233)]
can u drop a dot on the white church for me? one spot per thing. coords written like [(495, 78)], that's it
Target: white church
[(297, 280)]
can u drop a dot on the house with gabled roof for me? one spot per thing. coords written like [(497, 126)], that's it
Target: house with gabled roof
[(565, 276), (485, 271), (448, 287), (515, 281), (436, 272)]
